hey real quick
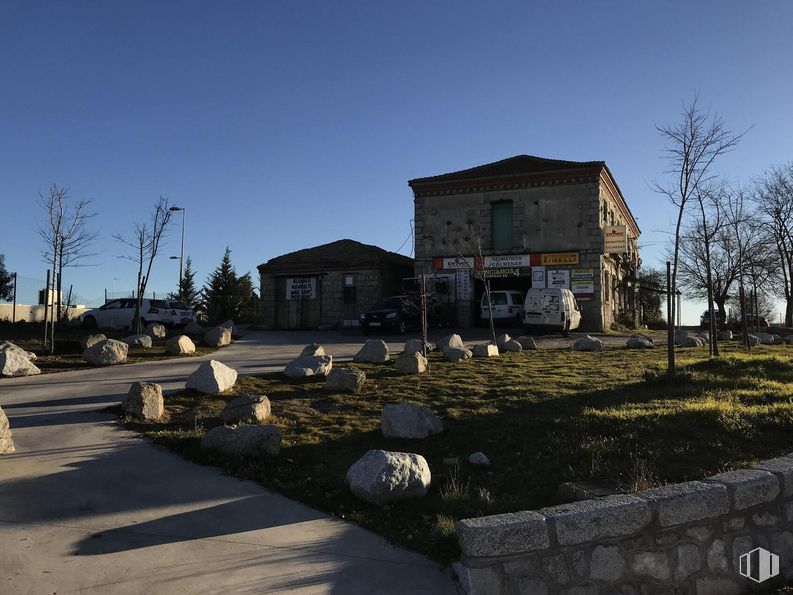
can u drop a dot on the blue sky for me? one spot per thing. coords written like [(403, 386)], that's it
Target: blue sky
[(281, 125)]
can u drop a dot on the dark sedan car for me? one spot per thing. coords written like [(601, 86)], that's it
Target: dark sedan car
[(389, 314)]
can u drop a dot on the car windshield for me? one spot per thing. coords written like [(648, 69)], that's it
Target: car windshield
[(392, 303)]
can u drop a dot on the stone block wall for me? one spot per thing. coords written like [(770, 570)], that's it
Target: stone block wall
[(682, 538)]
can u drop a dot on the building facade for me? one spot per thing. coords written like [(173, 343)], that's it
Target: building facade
[(529, 222), (328, 286)]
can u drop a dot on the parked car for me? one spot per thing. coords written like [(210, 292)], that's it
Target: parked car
[(119, 314), (704, 320), (752, 321), (390, 314), (183, 314), (553, 308), (507, 305)]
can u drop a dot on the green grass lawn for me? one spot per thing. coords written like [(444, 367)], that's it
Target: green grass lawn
[(542, 417)]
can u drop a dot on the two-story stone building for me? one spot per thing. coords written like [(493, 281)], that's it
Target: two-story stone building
[(536, 222)]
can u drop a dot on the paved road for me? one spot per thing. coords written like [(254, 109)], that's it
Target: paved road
[(86, 506)]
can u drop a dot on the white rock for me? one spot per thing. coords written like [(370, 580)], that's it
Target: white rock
[(155, 330), (478, 458), (309, 365), (403, 420), (511, 345), (411, 362), (345, 380), (8, 346), (248, 409), (486, 350), (689, 341), (6, 440), (312, 350), (588, 343), (138, 341), (229, 324), (527, 342), (180, 345), (640, 342), (381, 476), (92, 340), (16, 363), (374, 351), (413, 345), (705, 336), (244, 441), (501, 339), (193, 328), (217, 336), (451, 341), (212, 377), (106, 353), (455, 354), (725, 336), (753, 340), (144, 401)]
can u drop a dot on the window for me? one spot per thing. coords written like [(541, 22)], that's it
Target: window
[(501, 216), (606, 286), (350, 290), (497, 298)]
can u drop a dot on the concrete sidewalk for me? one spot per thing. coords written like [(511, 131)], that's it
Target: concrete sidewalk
[(87, 506)]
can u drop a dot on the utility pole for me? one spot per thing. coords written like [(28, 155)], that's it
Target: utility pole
[(670, 327), (46, 294), (14, 307)]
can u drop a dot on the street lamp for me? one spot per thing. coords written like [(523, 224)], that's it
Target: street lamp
[(181, 252)]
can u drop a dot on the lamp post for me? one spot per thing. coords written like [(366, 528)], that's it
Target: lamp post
[(181, 252)]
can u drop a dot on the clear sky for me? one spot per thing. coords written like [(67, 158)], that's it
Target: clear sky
[(282, 125)]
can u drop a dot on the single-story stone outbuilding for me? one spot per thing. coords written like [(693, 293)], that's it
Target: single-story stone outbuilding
[(329, 285)]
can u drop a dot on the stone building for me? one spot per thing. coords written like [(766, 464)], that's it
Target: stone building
[(330, 285), (535, 222)]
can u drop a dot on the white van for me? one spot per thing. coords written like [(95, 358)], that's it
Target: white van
[(507, 305), (552, 308)]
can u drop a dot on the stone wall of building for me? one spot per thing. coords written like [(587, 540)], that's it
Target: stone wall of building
[(553, 216), (682, 538), (368, 292)]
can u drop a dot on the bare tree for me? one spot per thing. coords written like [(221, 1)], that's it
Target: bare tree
[(145, 244), (692, 146), (66, 242), (775, 201)]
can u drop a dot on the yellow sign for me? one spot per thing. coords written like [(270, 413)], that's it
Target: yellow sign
[(615, 239), (559, 258)]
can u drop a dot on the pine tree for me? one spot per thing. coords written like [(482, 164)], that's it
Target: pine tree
[(187, 289), (6, 284), (225, 294)]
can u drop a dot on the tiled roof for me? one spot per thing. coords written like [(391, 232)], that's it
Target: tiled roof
[(341, 254), (512, 166)]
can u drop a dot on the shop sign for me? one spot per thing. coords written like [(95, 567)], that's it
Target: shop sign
[(507, 261), (463, 286), (559, 258), (615, 239), (455, 262), (538, 277), (501, 273), (559, 278), (301, 288)]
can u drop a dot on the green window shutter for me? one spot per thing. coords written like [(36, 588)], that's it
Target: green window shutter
[(501, 217)]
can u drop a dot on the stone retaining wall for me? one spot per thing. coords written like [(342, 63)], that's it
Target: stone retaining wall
[(682, 538)]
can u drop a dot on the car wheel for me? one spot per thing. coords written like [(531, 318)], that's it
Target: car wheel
[(403, 327), (89, 322), (566, 330)]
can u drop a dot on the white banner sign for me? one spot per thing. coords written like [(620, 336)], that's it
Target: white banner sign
[(464, 290), (559, 278), (538, 277), (459, 262), (582, 281), (301, 288), (615, 239), (507, 261)]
